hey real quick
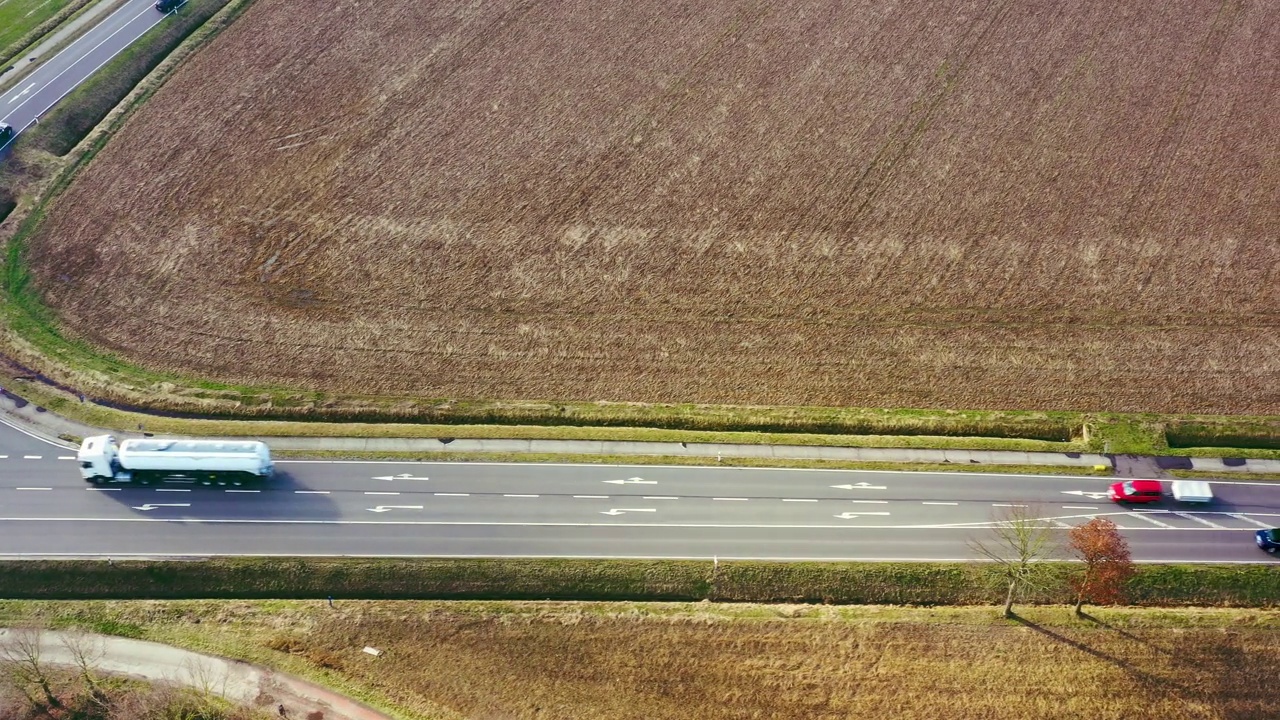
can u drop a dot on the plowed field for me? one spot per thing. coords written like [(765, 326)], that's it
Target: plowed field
[(870, 203)]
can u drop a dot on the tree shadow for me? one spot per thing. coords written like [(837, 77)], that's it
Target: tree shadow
[(1126, 634), (1146, 679)]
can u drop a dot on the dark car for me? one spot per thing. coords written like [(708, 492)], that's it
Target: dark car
[(1135, 491), (6, 133), (1269, 540), (165, 6)]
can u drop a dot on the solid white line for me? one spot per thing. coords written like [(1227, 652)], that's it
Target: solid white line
[(483, 523), (735, 499), (927, 502), (660, 497), (452, 494), (1079, 507), (593, 497), (869, 502), (1239, 516), (32, 488), (311, 492), (1200, 520), (1148, 518), (20, 429), (244, 491), (86, 54), (379, 492), (66, 457), (173, 489), (31, 457), (529, 496)]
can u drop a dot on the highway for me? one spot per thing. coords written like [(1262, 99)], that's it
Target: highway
[(33, 95), (546, 510)]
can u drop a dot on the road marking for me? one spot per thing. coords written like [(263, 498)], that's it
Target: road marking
[(733, 499), (181, 482), (311, 492), (173, 489), (1238, 516), (151, 506), (452, 494), (860, 486), (402, 476), (633, 481), (868, 502), (1201, 520), (851, 515), (377, 492), (243, 491), (4, 457), (660, 497), (1079, 507), (619, 511), (522, 496), (1006, 505), (1148, 518), (385, 508), (25, 90), (66, 457), (104, 489), (32, 488), (926, 502), (798, 500), (593, 497), (31, 457), (1086, 493), (1061, 525)]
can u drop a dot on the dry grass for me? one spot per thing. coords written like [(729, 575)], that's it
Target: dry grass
[(622, 660), (840, 204)]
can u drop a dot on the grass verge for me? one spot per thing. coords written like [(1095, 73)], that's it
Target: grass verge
[(631, 580), (710, 660), (24, 22)]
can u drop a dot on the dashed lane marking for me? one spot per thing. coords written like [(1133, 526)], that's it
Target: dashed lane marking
[(798, 500), (311, 492), (660, 497), (66, 457), (104, 489), (32, 457), (452, 494), (526, 496), (869, 502), (1006, 505), (244, 491), (32, 488), (926, 502), (379, 492), (592, 497), (173, 489), (1079, 507), (732, 499)]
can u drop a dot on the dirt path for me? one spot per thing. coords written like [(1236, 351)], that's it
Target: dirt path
[(237, 681)]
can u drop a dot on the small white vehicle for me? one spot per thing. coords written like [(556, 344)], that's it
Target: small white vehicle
[(1192, 491)]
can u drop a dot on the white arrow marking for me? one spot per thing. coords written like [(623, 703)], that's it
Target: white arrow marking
[(1085, 493), (25, 90), (851, 515), (619, 511), (385, 508), (632, 481), (860, 486), (153, 506), (404, 476)]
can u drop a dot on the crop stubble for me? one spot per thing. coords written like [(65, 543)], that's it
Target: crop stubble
[(959, 204)]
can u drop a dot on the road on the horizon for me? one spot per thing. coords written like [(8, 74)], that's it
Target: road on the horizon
[(34, 94), (438, 509)]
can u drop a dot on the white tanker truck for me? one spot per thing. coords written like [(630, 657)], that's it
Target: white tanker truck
[(147, 460)]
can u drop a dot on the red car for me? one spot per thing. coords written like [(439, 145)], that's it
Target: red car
[(1135, 491)]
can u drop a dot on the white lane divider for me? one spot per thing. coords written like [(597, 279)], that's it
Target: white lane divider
[(32, 488), (528, 496), (731, 499), (377, 492), (1238, 516), (452, 494), (851, 515), (98, 489), (660, 497), (173, 489), (32, 457), (592, 497), (632, 481), (927, 502), (1200, 520), (1148, 518), (868, 502), (1079, 507), (66, 457), (386, 508), (403, 476), (4, 457), (620, 511), (243, 491), (798, 500), (153, 506), (860, 486), (311, 492), (1006, 505)]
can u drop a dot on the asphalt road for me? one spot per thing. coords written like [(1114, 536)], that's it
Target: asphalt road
[(39, 91), (528, 510)]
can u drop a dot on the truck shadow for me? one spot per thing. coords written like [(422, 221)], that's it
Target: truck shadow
[(283, 497)]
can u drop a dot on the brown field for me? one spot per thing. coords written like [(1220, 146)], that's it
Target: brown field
[(988, 205), (490, 661)]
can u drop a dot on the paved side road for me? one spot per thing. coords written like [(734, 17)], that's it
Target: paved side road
[(237, 681)]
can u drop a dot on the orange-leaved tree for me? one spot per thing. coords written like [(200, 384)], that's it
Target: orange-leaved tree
[(1108, 565)]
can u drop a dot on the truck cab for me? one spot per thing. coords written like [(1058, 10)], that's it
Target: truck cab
[(98, 458)]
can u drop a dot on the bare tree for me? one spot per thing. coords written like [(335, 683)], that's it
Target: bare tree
[(86, 652), (1019, 541), (20, 660), (1108, 566)]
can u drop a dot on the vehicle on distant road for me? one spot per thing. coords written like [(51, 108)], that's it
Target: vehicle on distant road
[(1269, 540), (1135, 491), (147, 460), (167, 6)]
